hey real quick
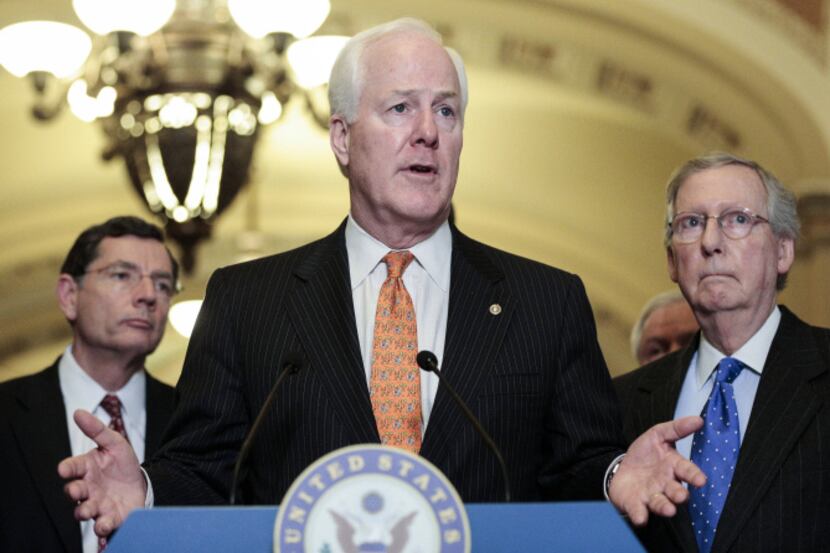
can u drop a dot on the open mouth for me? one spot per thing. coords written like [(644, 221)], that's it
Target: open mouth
[(422, 169)]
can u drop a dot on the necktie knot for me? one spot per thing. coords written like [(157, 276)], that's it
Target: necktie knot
[(112, 405), (728, 370), (397, 262)]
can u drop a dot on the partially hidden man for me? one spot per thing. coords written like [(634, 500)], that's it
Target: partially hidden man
[(114, 288)]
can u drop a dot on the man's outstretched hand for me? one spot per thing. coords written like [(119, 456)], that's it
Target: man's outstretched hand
[(106, 484), (651, 476)]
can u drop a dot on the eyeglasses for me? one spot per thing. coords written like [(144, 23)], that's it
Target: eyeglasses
[(734, 223), (124, 277)]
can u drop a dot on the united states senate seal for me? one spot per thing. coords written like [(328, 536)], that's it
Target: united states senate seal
[(371, 498)]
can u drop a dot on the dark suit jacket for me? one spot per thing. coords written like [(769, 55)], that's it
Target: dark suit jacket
[(34, 513), (780, 494), (533, 374)]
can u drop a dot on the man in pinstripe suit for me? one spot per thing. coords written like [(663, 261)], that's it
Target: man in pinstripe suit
[(730, 236), (515, 338)]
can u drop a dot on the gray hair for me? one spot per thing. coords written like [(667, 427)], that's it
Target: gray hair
[(782, 210), (347, 74), (655, 303)]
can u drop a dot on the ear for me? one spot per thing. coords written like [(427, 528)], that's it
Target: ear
[(786, 254), (671, 261), (67, 292), (339, 139)]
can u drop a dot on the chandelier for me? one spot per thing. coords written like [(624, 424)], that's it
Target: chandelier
[(180, 88)]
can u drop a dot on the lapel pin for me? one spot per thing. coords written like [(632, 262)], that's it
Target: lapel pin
[(495, 309)]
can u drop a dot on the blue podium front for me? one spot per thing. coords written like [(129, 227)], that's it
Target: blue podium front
[(567, 527)]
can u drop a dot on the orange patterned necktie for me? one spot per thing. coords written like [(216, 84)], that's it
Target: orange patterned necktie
[(395, 385)]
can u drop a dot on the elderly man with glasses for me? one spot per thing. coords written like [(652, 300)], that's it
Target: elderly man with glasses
[(756, 373), (114, 288)]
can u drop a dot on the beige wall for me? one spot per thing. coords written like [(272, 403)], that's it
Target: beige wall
[(579, 110)]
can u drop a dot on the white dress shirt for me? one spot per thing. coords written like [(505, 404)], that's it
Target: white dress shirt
[(427, 279), (80, 391), (700, 377)]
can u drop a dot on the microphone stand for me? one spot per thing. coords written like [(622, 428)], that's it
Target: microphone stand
[(429, 363)]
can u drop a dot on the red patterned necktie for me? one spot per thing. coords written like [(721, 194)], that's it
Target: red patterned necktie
[(112, 405), (395, 384)]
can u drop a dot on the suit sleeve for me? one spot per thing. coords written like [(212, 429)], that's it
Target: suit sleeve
[(195, 464), (583, 425)]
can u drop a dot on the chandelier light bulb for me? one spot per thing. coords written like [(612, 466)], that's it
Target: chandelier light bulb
[(47, 46), (184, 105), (89, 108), (142, 17), (299, 18), (82, 105), (312, 58), (183, 315), (178, 113), (270, 110)]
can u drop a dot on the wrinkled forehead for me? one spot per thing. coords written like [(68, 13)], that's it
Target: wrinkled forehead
[(134, 250), (408, 60), (720, 188)]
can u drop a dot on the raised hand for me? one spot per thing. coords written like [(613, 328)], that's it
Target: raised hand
[(105, 483), (651, 476)]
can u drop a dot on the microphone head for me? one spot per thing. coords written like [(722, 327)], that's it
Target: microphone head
[(293, 362), (427, 361)]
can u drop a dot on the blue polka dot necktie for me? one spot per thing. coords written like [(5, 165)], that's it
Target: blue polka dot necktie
[(715, 449)]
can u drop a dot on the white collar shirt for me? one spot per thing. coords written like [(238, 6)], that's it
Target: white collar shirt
[(80, 391), (427, 279), (699, 379)]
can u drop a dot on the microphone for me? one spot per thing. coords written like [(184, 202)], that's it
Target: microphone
[(292, 364), (429, 363)]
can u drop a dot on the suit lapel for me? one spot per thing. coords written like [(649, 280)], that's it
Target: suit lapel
[(40, 428), (663, 385), (322, 308), (784, 404), (473, 337)]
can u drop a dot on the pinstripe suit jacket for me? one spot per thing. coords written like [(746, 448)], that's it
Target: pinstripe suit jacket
[(533, 374), (780, 494), (35, 515)]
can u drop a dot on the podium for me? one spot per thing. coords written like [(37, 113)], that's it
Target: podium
[(498, 527)]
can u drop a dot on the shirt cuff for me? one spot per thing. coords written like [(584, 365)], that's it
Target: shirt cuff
[(150, 499), (609, 475)]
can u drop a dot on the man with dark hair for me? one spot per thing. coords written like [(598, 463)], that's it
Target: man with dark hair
[(114, 288), (85, 249), (758, 375)]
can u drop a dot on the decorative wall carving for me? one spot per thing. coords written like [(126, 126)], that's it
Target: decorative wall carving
[(802, 21), (621, 81)]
